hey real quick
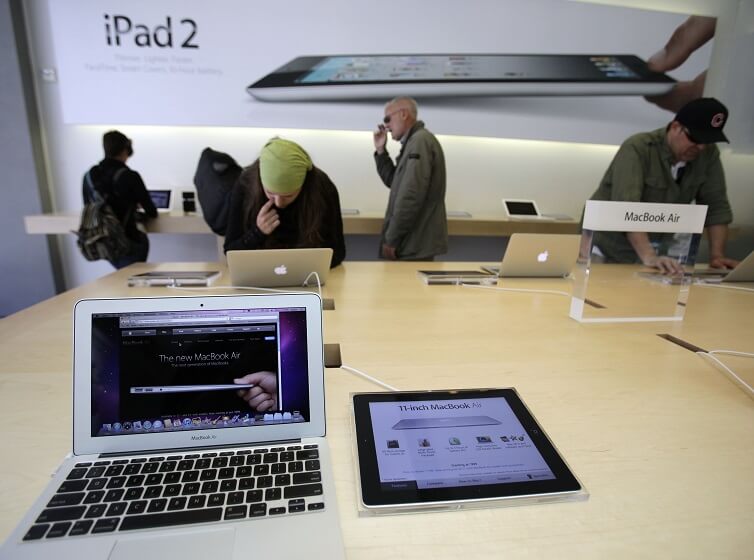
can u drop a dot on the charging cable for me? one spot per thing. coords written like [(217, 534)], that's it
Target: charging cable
[(368, 377), (726, 286), (710, 355)]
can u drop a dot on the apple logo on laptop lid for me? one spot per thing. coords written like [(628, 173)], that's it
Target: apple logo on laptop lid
[(281, 270), (542, 257)]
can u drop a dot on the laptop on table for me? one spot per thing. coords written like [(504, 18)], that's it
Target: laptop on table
[(744, 272), (538, 255), (161, 198), (169, 459), (271, 268)]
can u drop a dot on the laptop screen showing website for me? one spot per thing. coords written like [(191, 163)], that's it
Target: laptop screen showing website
[(198, 370)]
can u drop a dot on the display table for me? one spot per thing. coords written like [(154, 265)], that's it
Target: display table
[(361, 224), (661, 439)]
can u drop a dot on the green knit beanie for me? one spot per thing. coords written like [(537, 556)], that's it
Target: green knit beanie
[(283, 165)]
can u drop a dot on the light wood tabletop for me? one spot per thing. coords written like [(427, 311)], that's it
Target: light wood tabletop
[(662, 440)]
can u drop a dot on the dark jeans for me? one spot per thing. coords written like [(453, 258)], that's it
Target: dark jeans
[(138, 253)]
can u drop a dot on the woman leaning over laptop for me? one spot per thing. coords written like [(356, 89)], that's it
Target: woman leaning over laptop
[(282, 201)]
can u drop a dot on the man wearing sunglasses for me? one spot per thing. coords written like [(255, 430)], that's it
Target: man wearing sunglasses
[(415, 226), (677, 164)]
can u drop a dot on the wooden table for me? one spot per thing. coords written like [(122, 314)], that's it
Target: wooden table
[(361, 224), (662, 440)]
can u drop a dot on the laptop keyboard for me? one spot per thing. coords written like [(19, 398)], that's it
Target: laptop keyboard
[(151, 492)]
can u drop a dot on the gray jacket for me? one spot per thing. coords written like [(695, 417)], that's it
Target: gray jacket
[(415, 223)]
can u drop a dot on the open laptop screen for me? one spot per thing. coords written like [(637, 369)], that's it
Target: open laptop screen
[(521, 208), (160, 198), (198, 370)]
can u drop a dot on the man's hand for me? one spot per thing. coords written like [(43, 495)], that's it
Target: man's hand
[(389, 253), (263, 396), (268, 219), (666, 265), (687, 38), (380, 138), (721, 261)]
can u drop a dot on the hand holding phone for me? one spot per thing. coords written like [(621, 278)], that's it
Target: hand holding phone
[(380, 138)]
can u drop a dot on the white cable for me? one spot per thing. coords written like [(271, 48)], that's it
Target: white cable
[(316, 277), (721, 285), (368, 377), (744, 385), (732, 353), (517, 290)]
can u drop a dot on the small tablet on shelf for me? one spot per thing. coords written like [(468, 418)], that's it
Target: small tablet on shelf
[(454, 449)]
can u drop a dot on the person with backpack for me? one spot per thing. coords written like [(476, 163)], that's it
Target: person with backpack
[(282, 201), (123, 190)]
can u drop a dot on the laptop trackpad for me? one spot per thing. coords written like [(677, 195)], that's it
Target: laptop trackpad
[(188, 546)]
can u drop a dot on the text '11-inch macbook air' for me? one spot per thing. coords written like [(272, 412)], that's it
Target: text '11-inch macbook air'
[(272, 268), (538, 255), (239, 464)]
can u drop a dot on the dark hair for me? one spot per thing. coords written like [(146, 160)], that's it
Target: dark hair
[(311, 203), (114, 142)]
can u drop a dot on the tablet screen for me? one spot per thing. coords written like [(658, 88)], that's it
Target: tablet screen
[(418, 448)]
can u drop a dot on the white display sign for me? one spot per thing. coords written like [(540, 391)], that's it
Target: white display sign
[(190, 62), (602, 215)]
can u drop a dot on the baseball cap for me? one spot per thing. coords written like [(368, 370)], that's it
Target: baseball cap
[(704, 118)]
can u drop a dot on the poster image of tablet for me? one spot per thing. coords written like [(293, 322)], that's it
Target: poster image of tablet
[(370, 76)]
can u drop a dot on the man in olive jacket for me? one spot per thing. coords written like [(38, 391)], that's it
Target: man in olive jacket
[(416, 225)]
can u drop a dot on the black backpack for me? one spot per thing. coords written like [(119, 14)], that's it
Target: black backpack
[(101, 234), (214, 179)]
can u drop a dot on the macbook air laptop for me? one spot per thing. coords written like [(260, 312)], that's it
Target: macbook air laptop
[(271, 268), (238, 468), (516, 209), (744, 272), (161, 198), (174, 278), (538, 255)]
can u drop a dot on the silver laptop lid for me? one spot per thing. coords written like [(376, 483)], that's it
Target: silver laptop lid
[(269, 268), (540, 255), (178, 372)]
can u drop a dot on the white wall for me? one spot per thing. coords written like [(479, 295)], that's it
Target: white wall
[(559, 175)]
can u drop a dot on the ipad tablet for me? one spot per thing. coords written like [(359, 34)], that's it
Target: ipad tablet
[(382, 76), (435, 449)]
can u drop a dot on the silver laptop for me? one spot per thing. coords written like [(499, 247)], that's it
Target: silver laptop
[(538, 255), (744, 272), (270, 268), (240, 470), (450, 422)]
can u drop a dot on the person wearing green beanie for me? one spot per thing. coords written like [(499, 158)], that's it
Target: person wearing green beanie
[(283, 201)]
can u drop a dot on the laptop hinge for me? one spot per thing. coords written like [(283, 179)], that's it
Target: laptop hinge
[(202, 448)]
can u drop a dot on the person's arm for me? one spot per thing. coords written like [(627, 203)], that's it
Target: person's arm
[(719, 213), (385, 167), (718, 236), (334, 223), (415, 183), (237, 237), (140, 193), (639, 240)]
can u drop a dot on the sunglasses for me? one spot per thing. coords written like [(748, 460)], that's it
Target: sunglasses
[(386, 119)]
